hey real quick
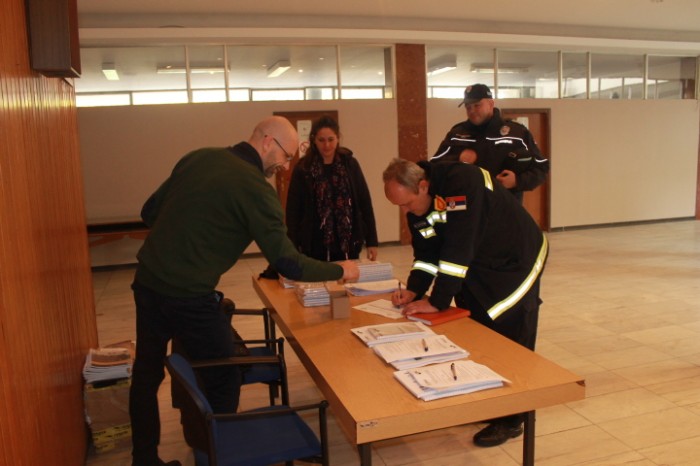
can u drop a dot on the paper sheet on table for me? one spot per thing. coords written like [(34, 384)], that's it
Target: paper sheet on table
[(374, 287), (382, 307)]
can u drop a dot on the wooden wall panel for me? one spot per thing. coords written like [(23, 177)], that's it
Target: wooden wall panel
[(47, 320), (411, 109)]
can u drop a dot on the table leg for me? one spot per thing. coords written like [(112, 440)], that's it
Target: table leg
[(529, 440), (365, 450)]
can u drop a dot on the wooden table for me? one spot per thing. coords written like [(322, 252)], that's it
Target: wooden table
[(370, 405)]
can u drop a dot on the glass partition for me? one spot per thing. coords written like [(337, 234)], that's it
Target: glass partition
[(528, 75), (617, 76)]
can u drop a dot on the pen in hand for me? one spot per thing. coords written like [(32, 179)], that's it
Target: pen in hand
[(398, 306), (454, 371), (425, 346)]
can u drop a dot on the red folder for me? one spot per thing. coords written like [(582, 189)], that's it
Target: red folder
[(436, 318)]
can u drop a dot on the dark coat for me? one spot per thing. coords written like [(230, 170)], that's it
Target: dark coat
[(303, 222)]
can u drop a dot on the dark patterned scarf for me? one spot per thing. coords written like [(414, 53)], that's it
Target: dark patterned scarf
[(333, 203)]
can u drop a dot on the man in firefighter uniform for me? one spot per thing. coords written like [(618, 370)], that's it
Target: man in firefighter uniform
[(503, 147), (474, 242)]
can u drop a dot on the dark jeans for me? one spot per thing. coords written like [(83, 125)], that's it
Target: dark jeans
[(205, 333)]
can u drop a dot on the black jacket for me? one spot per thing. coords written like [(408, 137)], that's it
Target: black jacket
[(500, 145), (476, 236), (302, 219)]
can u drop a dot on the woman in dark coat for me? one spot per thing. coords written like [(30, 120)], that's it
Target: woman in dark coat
[(329, 209)]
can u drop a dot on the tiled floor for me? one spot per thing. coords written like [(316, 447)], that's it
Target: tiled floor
[(621, 308)]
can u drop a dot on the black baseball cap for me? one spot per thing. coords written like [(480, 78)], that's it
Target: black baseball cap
[(475, 93)]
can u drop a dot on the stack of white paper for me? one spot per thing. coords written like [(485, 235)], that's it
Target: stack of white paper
[(449, 379), (419, 352), (312, 294), (107, 364), (384, 333), (373, 287), (372, 271)]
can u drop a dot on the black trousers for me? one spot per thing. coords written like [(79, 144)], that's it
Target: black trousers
[(204, 332), (519, 324)]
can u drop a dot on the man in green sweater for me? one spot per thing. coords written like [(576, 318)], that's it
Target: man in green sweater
[(214, 204)]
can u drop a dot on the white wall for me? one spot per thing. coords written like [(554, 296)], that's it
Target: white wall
[(612, 161), (128, 151)]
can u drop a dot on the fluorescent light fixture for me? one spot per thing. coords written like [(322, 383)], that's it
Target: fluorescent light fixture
[(169, 69), (278, 68), (442, 64), (110, 71), (502, 69)]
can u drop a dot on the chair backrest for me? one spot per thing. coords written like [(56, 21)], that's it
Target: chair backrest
[(198, 424)]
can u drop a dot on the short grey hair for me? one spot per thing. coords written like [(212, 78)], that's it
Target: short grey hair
[(405, 173)]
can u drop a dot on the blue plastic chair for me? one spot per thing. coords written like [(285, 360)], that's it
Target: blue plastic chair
[(270, 435)]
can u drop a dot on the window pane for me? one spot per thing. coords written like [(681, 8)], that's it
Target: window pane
[(574, 75), (280, 94), (452, 68), (669, 75), (528, 75), (362, 93), (617, 76), (160, 97), (365, 67), (137, 69), (281, 67), (211, 95), (321, 93), (102, 100), (207, 69)]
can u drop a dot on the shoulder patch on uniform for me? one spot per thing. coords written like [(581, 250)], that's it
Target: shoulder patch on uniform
[(505, 130), (456, 203), (439, 204)]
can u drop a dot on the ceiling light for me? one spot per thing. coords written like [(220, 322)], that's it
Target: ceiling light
[(110, 71), (169, 69), (278, 68), (442, 64), (502, 69)]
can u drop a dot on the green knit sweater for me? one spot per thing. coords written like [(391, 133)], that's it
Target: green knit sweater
[(213, 205)]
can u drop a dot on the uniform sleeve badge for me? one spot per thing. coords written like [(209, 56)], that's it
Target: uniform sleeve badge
[(440, 204), (505, 130), (455, 203)]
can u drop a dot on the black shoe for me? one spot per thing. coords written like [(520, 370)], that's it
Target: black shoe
[(497, 434)]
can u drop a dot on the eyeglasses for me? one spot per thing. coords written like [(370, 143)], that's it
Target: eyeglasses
[(289, 156)]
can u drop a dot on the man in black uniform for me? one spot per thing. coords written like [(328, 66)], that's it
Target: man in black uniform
[(503, 147), (474, 242)]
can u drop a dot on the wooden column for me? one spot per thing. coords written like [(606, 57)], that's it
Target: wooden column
[(411, 95), (47, 317)]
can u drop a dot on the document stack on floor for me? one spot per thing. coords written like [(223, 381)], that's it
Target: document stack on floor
[(373, 335), (108, 363), (312, 294), (449, 379), (419, 352)]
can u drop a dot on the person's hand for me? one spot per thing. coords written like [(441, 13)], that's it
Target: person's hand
[(507, 179), (468, 156), (372, 253), (401, 297), (422, 305), (351, 272)]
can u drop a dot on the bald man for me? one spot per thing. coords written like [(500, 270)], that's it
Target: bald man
[(214, 204)]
